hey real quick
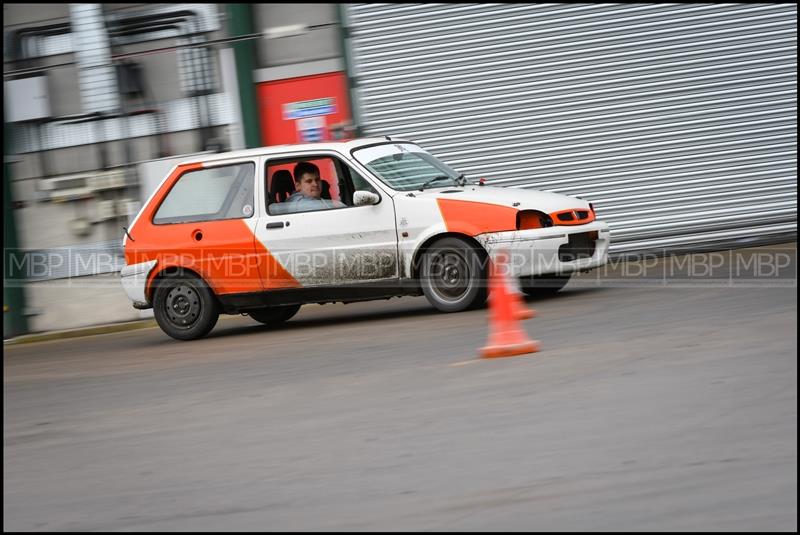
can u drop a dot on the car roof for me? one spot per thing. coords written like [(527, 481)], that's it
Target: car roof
[(338, 146)]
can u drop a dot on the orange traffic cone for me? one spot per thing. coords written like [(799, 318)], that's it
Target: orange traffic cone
[(506, 338), (521, 311)]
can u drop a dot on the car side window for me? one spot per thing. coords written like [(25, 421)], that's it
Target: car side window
[(216, 193), (338, 183), (285, 195), (360, 183)]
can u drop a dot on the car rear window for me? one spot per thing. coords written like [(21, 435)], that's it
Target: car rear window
[(224, 192)]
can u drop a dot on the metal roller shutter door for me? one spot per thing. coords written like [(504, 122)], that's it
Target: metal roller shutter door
[(679, 121)]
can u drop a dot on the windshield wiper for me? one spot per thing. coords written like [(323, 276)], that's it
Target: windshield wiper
[(441, 177)]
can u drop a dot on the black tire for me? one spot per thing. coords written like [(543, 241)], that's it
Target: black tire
[(543, 285), (273, 315), (453, 275), (185, 307)]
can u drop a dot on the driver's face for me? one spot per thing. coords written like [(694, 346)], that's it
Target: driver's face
[(310, 185)]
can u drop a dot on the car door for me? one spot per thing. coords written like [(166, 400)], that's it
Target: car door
[(329, 247)]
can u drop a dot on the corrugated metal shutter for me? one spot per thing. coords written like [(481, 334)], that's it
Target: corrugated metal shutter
[(678, 120)]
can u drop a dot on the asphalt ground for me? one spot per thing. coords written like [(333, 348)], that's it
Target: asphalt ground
[(655, 403)]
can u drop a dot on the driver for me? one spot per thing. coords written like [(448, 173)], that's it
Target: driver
[(308, 197)]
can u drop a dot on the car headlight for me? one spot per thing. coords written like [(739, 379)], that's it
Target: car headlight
[(530, 219)]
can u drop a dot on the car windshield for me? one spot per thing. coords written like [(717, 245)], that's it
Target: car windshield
[(405, 166)]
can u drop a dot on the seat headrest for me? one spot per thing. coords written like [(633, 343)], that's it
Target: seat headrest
[(282, 186)]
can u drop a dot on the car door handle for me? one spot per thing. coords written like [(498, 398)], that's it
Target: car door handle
[(279, 224)]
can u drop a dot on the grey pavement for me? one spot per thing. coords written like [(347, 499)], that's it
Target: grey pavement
[(650, 407)]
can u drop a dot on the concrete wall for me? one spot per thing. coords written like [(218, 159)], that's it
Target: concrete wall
[(15, 14), (79, 302), (321, 43)]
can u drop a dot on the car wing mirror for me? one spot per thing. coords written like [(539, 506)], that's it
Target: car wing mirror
[(363, 198)]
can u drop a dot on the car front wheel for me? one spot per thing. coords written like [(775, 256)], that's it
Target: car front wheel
[(184, 306), (453, 275)]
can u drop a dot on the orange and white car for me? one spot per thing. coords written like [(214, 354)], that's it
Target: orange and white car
[(215, 236)]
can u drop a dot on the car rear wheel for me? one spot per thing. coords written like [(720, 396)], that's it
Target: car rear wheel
[(184, 306), (543, 285), (273, 315), (453, 275)]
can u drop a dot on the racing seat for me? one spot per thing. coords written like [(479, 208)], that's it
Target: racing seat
[(282, 186), (326, 189)]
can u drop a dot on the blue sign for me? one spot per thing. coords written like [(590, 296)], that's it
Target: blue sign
[(309, 108), (311, 129)]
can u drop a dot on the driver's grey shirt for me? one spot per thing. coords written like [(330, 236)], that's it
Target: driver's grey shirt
[(298, 202)]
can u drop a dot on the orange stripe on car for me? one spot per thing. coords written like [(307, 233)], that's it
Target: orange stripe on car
[(228, 256), (474, 218), (224, 252)]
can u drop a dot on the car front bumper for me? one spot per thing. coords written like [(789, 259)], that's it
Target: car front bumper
[(559, 249)]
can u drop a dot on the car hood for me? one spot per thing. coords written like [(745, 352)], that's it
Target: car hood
[(528, 199)]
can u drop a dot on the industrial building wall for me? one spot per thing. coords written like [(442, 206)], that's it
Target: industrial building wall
[(301, 65), (74, 183), (78, 78), (679, 121), (79, 132), (75, 144), (320, 41)]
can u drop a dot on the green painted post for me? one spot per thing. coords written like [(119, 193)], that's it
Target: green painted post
[(15, 322), (240, 22), (352, 81)]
